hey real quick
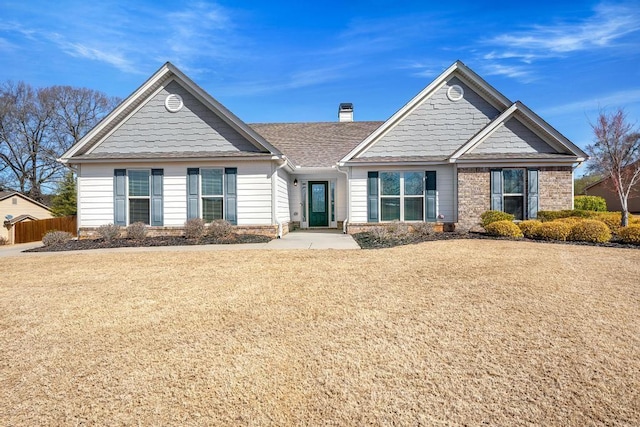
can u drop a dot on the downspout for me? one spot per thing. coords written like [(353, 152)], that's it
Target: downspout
[(346, 220), (274, 196)]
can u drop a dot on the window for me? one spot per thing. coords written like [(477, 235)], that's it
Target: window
[(515, 191), (212, 194), (401, 196), (139, 196)]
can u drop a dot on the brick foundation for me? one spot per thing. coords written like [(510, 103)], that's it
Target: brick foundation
[(265, 230), (363, 227)]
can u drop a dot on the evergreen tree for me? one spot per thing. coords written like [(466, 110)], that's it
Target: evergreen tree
[(65, 201)]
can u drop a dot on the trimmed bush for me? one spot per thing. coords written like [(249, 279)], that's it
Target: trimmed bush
[(492, 216), (422, 228), (137, 231), (108, 232), (630, 234), (55, 238), (571, 220), (590, 203), (552, 230), (528, 227), (553, 215), (611, 219), (194, 228), (219, 228), (590, 230), (504, 228)]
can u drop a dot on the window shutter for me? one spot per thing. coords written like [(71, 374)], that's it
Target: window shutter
[(120, 196), (372, 197), (430, 195), (231, 195), (193, 193), (156, 197), (532, 193), (496, 190)]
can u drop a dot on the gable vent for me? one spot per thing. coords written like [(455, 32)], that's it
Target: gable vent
[(173, 103), (455, 93)]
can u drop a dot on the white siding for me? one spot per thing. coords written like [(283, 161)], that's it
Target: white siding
[(444, 188), (283, 196), (95, 199), (296, 196)]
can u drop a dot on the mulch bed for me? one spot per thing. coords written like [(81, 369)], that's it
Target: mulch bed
[(79, 245), (367, 240)]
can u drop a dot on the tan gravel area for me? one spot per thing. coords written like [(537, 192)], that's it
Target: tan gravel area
[(467, 332)]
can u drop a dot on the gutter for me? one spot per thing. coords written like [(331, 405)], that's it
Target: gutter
[(346, 220)]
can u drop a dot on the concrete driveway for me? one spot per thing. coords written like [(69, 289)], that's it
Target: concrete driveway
[(316, 239)]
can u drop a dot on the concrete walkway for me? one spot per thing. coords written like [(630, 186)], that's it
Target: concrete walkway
[(297, 240)]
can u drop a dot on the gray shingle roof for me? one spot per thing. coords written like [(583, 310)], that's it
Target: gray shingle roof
[(171, 155), (315, 144)]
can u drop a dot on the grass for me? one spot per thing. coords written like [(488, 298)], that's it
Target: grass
[(465, 332)]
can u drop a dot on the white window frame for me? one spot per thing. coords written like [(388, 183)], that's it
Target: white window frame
[(210, 196), (523, 195), (129, 197), (402, 196)]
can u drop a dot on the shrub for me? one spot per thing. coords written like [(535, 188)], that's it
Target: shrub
[(552, 230), (380, 232), (422, 228), (504, 228), (630, 234), (553, 215), (194, 228), (398, 229), (590, 230), (611, 219), (590, 203), (528, 227), (137, 231), (219, 228), (3, 241), (108, 232), (55, 238), (492, 216), (571, 220)]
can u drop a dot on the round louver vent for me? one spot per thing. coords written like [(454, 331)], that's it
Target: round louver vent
[(173, 103), (455, 93)]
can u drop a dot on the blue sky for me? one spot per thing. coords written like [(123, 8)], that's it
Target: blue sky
[(272, 61)]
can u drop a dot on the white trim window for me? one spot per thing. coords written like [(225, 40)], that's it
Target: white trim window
[(212, 194), (401, 196), (139, 194)]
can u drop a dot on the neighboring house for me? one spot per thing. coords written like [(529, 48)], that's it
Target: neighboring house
[(171, 152), (605, 189), (16, 207)]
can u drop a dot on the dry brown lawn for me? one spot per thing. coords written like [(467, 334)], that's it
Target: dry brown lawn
[(443, 333)]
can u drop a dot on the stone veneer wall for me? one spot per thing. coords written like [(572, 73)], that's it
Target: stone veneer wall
[(555, 187)]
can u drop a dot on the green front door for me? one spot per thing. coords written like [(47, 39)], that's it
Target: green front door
[(318, 204)]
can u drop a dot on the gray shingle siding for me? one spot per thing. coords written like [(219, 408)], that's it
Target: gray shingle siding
[(438, 126), (194, 128), (513, 137)]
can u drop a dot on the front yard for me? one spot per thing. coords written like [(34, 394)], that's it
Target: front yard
[(461, 332)]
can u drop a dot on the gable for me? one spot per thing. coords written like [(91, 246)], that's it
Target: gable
[(438, 126), (154, 129), (513, 137)]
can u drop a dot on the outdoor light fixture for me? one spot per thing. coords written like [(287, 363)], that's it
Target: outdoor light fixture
[(295, 182)]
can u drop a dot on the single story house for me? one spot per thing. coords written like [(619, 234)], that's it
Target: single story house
[(605, 189), (16, 207), (170, 152)]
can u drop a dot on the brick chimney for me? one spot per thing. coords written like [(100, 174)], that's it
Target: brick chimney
[(345, 112)]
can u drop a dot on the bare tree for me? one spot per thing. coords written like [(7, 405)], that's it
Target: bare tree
[(37, 126), (616, 155)]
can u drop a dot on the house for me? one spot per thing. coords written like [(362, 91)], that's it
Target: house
[(605, 189), (16, 207), (171, 152)]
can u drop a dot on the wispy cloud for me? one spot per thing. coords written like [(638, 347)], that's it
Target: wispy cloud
[(609, 24), (514, 71), (617, 99)]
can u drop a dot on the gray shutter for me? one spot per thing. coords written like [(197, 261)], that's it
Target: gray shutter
[(193, 193), (231, 195), (120, 197), (156, 197), (372, 197), (430, 195), (496, 190), (532, 193)]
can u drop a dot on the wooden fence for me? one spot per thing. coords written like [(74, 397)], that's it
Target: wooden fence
[(33, 231)]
